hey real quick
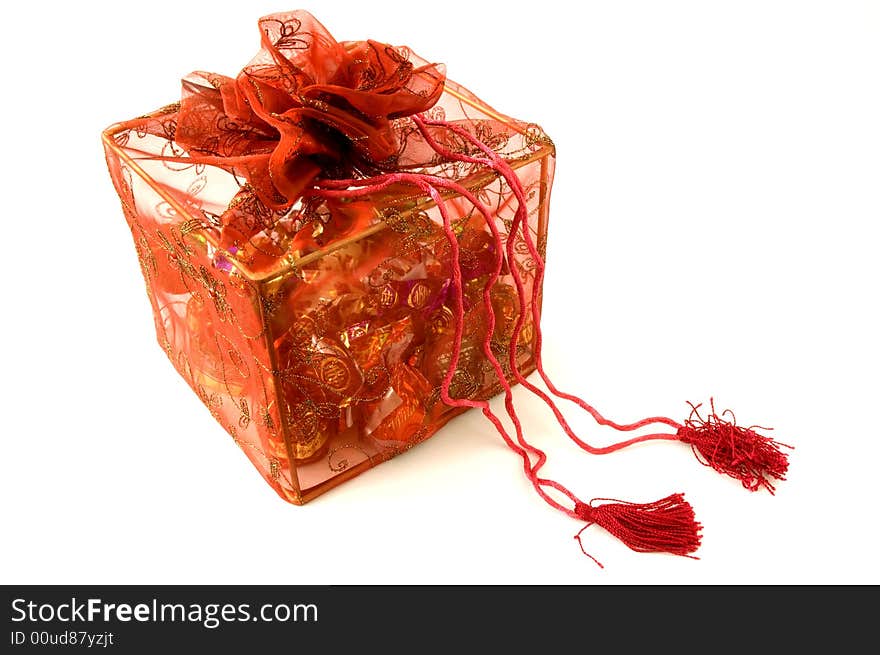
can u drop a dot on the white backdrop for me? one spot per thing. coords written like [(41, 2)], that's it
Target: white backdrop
[(713, 232)]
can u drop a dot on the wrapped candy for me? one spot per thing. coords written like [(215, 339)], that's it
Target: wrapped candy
[(344, 249)]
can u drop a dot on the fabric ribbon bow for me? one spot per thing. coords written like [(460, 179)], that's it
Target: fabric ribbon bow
[(305, 106)]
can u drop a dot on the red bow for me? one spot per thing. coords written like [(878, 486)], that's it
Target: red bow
[(305, 105)]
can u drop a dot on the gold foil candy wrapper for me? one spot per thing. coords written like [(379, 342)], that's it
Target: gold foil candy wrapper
[(505, 306), (408, 393)]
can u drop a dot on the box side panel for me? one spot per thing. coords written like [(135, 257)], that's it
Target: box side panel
[(208, 318), (364, 334)]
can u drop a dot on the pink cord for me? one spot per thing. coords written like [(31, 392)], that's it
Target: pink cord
[(350, 188), (497, 163), (666, 525)]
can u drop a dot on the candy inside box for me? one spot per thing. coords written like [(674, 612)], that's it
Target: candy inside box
[(320, 342)]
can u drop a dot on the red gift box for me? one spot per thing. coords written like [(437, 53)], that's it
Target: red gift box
[(343, 250), (318, 329)]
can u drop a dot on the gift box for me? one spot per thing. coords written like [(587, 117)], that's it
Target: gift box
[(317, 316), (343, 250)]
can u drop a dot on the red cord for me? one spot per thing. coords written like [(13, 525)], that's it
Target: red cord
[(639, 526), (493, 160)]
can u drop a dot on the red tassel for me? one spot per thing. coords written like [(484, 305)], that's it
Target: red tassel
[(738, 452), (664, 526)]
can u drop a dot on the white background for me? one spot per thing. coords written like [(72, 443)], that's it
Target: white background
[(713, 232)]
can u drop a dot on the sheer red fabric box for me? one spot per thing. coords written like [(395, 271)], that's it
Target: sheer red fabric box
[(319, 324), (343, 250)]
